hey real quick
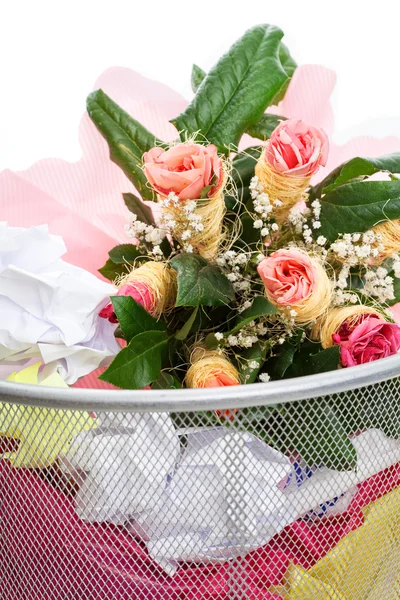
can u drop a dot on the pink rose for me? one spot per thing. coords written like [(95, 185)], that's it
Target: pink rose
[(289, 276), (138, 291), (369, 340), (297, 149), (184, 169)]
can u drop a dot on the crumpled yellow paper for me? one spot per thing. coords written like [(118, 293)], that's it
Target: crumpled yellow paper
[(42, 433), (365, 565)]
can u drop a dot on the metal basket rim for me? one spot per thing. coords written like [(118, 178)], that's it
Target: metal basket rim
[(255, 394)]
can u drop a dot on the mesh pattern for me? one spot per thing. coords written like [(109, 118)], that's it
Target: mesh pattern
[(295, 501)]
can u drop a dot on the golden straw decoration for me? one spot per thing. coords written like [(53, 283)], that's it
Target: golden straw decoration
[(287, 188), (160, 278), (389, 233), (208, 363)]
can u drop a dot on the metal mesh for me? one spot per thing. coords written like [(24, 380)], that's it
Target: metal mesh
[(261, 503)]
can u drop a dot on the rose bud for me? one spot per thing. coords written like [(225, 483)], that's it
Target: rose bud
[(294, 153), (296, 283), (153, 285), (184, 169), (191, 172)]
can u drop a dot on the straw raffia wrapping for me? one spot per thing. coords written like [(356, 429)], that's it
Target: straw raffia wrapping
[(206, 364), (331, 323), (389, 233), (287, 188), (207, 242), (160, 279)]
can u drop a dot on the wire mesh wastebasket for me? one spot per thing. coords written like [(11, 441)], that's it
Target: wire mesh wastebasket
[(284, 490)]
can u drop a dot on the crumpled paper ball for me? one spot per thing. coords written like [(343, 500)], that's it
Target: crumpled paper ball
[(40, 434), (49, 308)]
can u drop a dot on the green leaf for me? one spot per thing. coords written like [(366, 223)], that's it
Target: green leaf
[(314, 430), (257, 353), (140, 363), (261, 307), (236, 92), (358, 206), (139, 208), (357, 168), (289, 66), (185, 330), (243, 166), (166, 381), (126, 138), (111, 270), (278, 365), (197, 77), (312, 359), (200, 283), (265, 126), (124, 253), (133, 318)]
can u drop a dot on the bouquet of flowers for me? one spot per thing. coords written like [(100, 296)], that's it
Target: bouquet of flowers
[(241, 268)]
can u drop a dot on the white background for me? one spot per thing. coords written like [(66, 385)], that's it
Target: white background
[(51, 53)]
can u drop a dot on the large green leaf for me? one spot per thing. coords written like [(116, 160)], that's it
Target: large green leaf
[(166, 381), (236, 92), (312, 359), (140, 363), (139, 208), (261, 307), (265, 126), (289, 66), (133, 318), (200, 283), (112, 270), (357, 168), (126, 138), (277, 366), (124, 253), (197, 77), (358, 206), (315, 430)]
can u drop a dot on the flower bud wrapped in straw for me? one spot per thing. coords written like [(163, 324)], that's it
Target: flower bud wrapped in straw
[(211, 369), (294, 153), (189, 180), (297, 283), (337, 318), (153, 285)]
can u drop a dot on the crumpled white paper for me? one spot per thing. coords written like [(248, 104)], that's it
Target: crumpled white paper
[(49, 308), (222, 502), (122, 466), (227, 492)]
